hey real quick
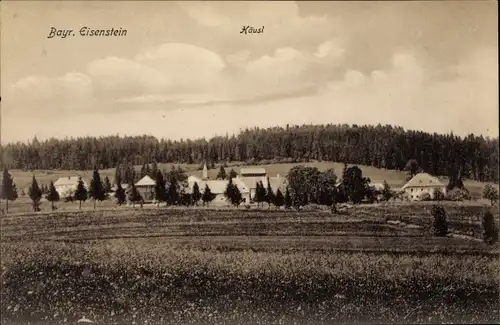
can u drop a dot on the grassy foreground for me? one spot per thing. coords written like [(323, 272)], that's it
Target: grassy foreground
[(120, 282), (196, 266)]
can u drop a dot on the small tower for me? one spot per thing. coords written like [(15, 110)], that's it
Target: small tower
[(205, 172)]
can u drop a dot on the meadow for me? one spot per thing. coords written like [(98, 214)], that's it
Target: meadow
[(369, 264)]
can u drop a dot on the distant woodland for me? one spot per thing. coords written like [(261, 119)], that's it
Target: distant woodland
[(474, 157)]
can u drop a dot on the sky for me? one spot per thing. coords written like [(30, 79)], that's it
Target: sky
[(184, 70)]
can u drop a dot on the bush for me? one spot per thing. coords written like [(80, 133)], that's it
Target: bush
[(490, 230), (440, 224), (424, 196), (438, 195), (459, 194)]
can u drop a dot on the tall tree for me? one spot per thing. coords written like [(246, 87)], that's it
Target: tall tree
[(386, 192), (229, 192), (288, 198), (8, 190), (119, 192), (355, 185), (35, 194), (53, 195), (269, 194), (412, 168), (96, 190), (207, 196), (222, 173), (134, 195), (172, 194), (81, 193), (490, 193), (232, 173), (279, 200), (196, 193), (107, 185), (237, 198), (160, 188)]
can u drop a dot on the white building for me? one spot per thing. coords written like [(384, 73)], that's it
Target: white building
[(423, 183), (66, 186)]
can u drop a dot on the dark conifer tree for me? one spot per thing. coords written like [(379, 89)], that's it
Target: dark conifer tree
[(279, 200), (8, 191), (81, 193), (288, 198), (96, 190), (134, 196), (119, 192), (222, 173), (160, 188), (53, 195), (269, 194), (196, 193), (35, 194), (207, 196)]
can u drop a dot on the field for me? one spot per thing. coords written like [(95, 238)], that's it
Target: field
[(393, 177), (369, 264)]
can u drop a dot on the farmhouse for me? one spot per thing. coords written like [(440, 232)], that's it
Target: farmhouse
[(423, 183), (145, 186), (66, 186), (246, 182)]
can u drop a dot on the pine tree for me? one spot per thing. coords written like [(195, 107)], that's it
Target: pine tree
[(118, 173), (256, 196), (269, 194), (386, 192), (288, 198), (222, 173), (232, 173), (196, 193), (207, 196), (81, 193), (96, 191), (107, 185), (154, 169), (237, 198), (172, 194), (262, 193), (120, 192), (144, 171), (159, 187), (134, 195), (229, 192), (490, 229), (440, 223), (8, 191), (35, 194), (53, 195), (490, 193), (279, 200)]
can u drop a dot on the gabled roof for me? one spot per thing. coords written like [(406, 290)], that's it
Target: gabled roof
[(253, 171), (145, 181), (423, 180)]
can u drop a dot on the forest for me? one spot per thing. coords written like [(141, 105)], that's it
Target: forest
[(389, 147)]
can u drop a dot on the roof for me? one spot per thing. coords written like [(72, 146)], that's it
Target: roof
[(217, 186), (67, 181), (146, 181), (423, 180), (253, 171), (251, 181)]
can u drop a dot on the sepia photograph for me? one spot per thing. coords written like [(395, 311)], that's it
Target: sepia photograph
[(249, 162)]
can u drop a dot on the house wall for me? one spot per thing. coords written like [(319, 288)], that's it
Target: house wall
[(414, 193), (147, 192)]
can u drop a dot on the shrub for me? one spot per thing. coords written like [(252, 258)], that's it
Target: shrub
[(440, 224), (490, 230), (438, 195), (458, 194), (425, 196)]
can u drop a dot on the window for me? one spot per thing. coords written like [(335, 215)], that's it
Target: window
[(412, 190)]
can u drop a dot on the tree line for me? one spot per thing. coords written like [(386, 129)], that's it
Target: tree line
[(379, 146)]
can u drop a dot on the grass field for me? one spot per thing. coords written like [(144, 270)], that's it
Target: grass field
[(394, 178), (370, 264)]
